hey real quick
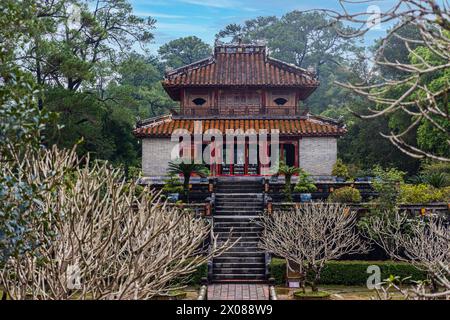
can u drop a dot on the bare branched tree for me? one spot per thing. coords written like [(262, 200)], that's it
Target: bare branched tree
[(107, 239), (412, 94), (311, 235), (425, 243)]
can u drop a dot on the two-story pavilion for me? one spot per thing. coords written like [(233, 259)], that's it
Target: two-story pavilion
[(242, 87)]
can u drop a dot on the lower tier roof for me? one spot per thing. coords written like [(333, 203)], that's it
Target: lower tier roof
[(294, 126)]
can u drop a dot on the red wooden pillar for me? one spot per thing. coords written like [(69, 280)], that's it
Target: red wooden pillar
[(296, 159)]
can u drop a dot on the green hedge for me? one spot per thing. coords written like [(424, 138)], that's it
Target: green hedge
[(195, 279), (351, 272)]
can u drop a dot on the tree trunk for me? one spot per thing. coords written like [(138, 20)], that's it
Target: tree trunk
[(186, 187), (288, 187)]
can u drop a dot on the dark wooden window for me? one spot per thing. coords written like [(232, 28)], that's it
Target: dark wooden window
[(199, 101), (280, 101)]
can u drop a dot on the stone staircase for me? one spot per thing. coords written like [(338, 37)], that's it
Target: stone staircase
[(238, 201)]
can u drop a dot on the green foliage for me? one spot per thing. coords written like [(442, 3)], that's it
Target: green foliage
[(340, 170), (364, 147), (305, 183), (436, 174), (288, 172), (172, 185), (187, 169), (21, 125), (184, 51), (351, 273), (387, 183), (138, 88), (195, 278), (423, 193), (345, 195)]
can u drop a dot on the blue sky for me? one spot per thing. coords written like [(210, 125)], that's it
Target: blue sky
[(204, 18)]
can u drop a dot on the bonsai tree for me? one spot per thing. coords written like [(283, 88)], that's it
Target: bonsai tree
[(305, 183), (345, 195), (288, 172), (172, 185), (187, 170), (340, 170)]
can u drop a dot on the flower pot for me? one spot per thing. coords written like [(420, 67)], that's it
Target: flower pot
[(340, 179), (319, 295), (305, 197), (173, 197), (174, 295)]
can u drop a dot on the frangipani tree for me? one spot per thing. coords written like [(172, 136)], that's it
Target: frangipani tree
[(311, 235), (100, 237)]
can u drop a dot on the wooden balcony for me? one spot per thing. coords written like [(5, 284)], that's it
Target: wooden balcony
[(241, 111)]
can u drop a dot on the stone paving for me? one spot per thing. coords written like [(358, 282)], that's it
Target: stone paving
[(237, 291)]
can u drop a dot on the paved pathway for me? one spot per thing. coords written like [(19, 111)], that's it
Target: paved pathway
[(238, 291)]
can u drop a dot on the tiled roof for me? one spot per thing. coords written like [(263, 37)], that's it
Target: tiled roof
[(300, 126), (240, 67)]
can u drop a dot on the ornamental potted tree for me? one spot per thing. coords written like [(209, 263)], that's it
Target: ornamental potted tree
[(305, 186), (340, 170), (288, 172), (172, 188), (187, 170)]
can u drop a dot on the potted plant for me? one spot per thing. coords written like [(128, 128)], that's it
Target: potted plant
[(187, 170), (305, 185), (172, 188), (340, 171), (288, 172), (345, 195)]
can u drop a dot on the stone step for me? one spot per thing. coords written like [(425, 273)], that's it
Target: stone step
[(227, 277), (245, 249), (235, 235), (239, 209), (242, 254), (236, 212), (243, 265), (252, 195), (260, 270), (236, 190), (239, 205), (243, 243), (227, 213), (231, 227), (239, 260), (248, 187), (234, 218), (240, 239), (247, 221), (236, 229)]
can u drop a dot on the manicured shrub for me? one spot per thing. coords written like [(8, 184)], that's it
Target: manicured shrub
[(340, 170), (422, 193), (305, 183), (351, 272), (345, 195), (196, 278)]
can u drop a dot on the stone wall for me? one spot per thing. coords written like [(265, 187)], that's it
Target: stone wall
[(318, 155), (156, 156)]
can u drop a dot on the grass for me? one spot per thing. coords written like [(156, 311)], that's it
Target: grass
[(310, 295), (336, 292)]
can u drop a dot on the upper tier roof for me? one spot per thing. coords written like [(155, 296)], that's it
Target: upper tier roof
[(239, 65)]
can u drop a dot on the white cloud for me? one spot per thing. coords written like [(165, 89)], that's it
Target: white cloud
[(212, 3), (158, 15), (183, 28)]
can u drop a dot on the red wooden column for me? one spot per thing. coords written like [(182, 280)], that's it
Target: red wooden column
[(296, 150)]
